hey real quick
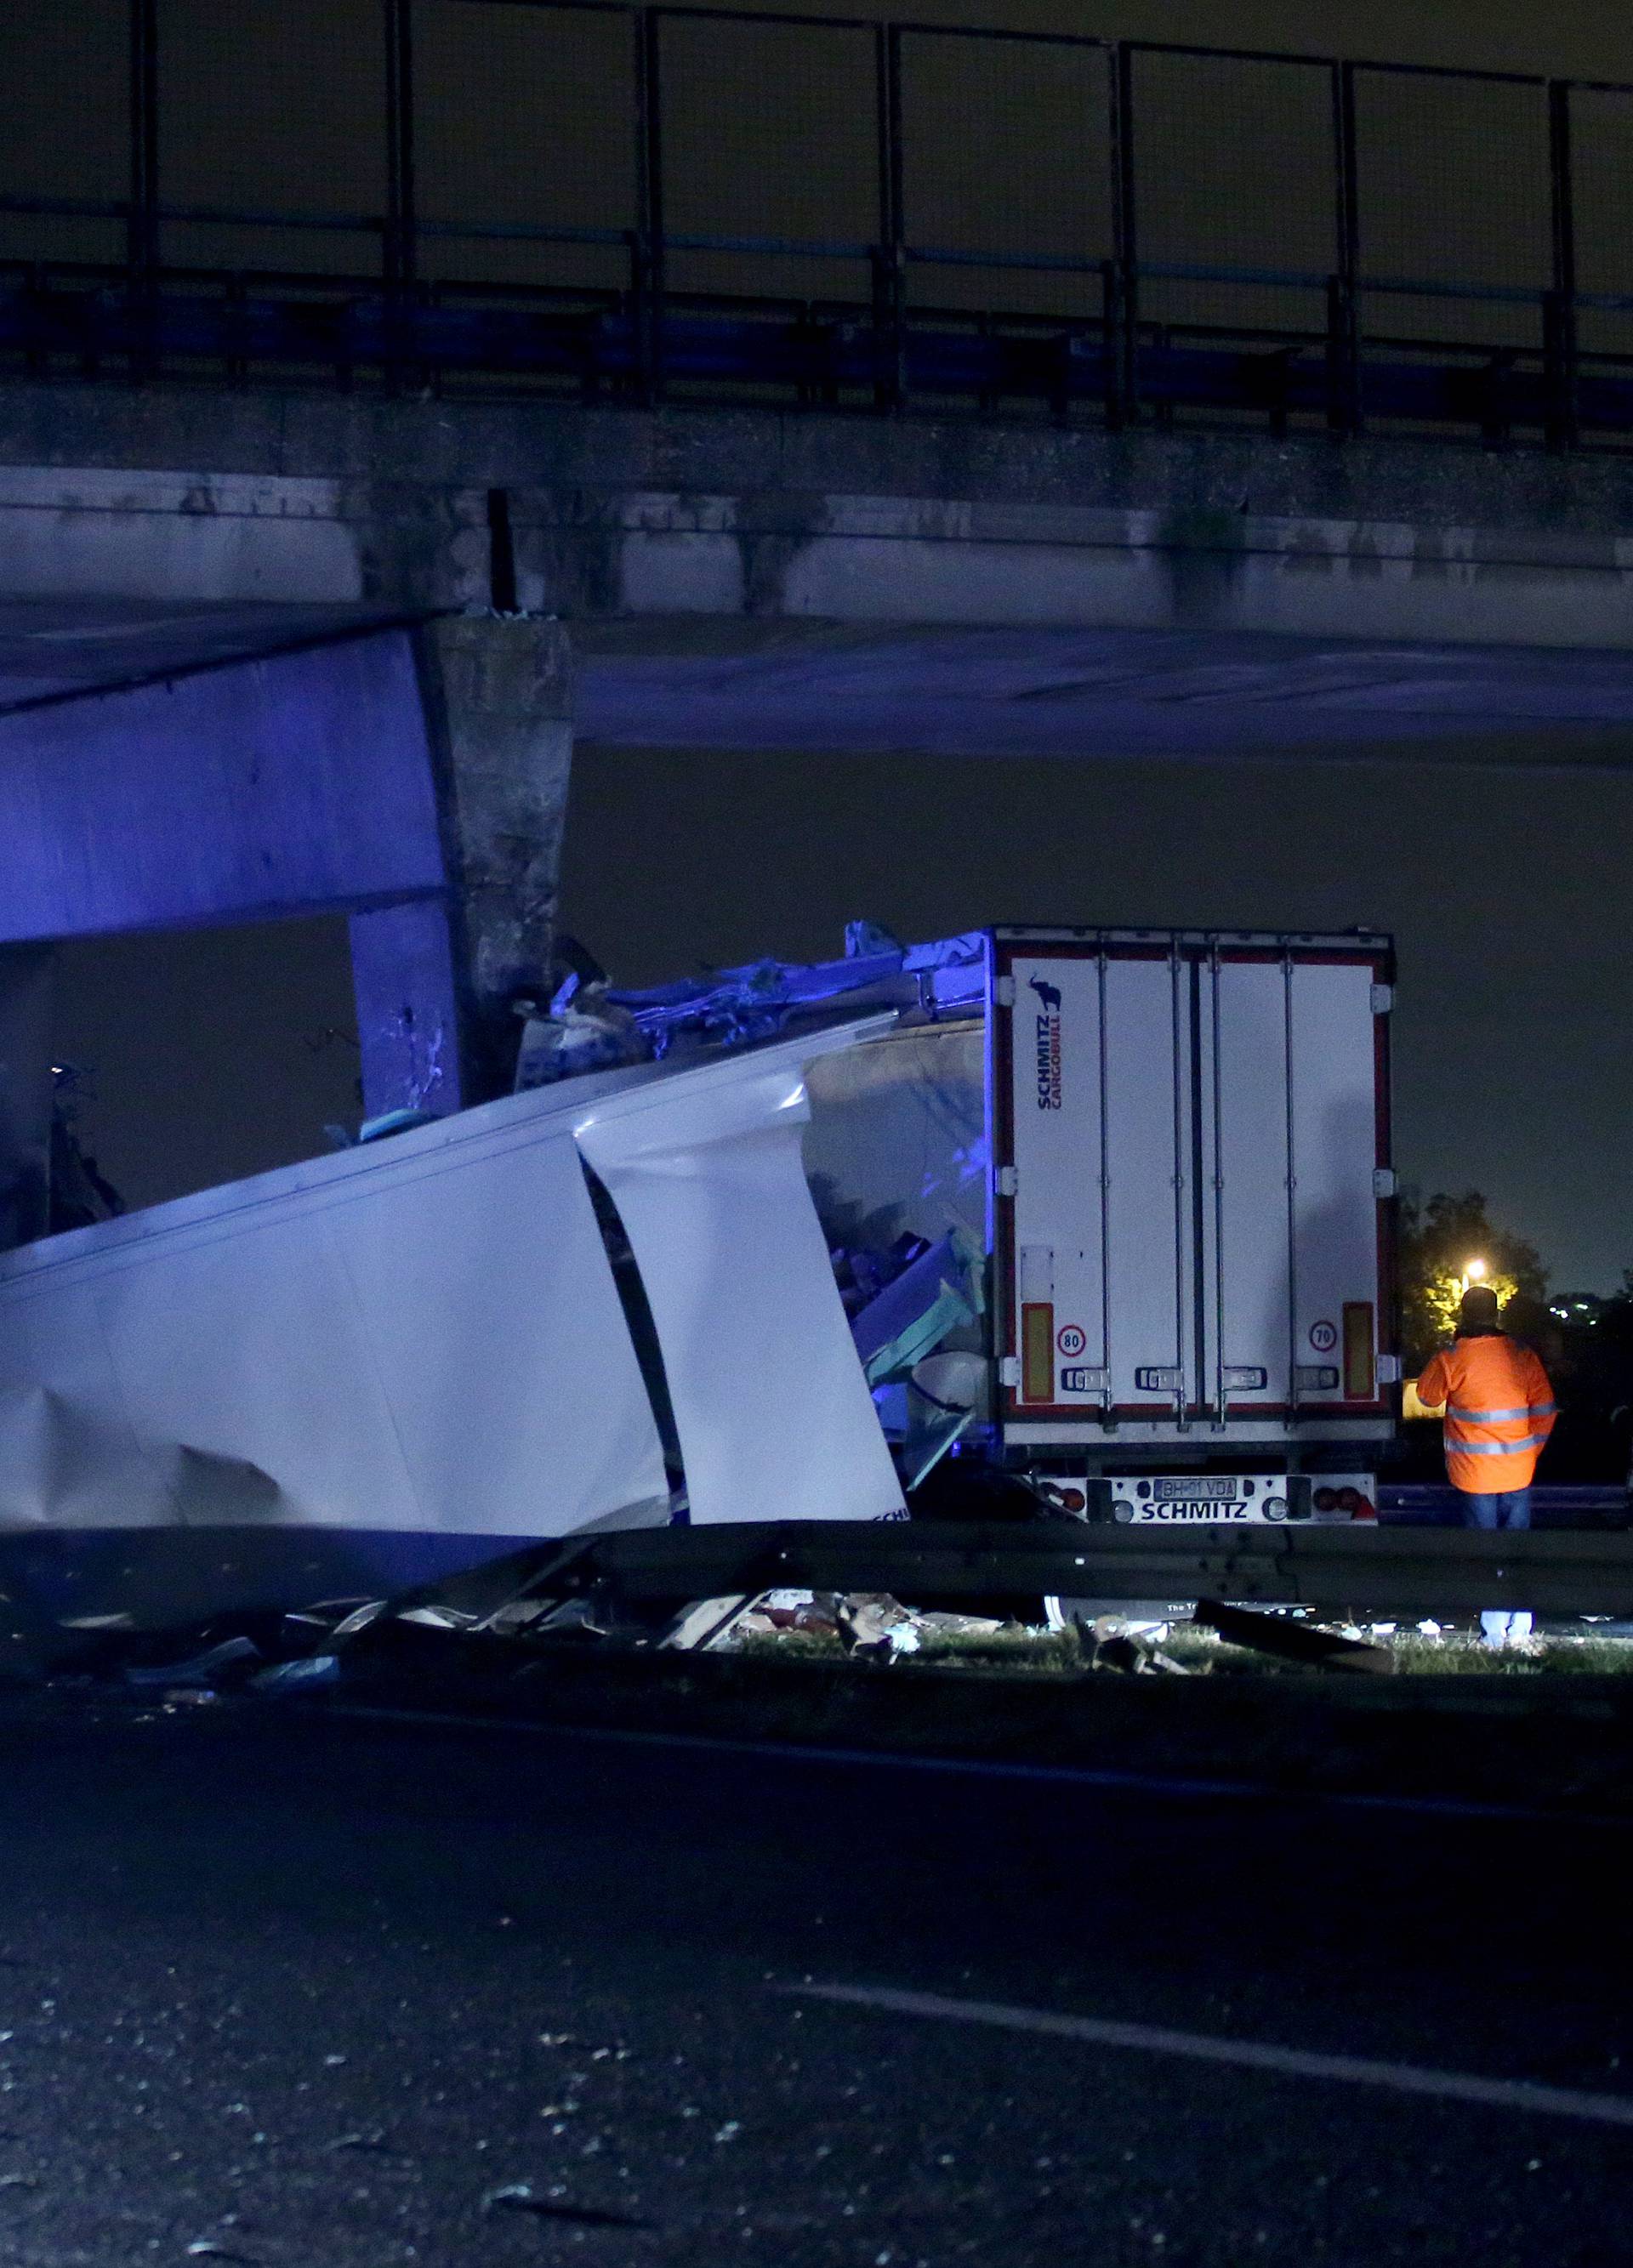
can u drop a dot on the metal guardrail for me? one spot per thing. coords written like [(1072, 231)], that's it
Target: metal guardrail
[(1364, 1569), (93, 325), (844, 211)]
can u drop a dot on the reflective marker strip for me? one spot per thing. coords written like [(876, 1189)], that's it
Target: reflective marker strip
[(1037, 1351), (1489, 1417), (1530, 2096), (1495, 1449), (1360, 1368)]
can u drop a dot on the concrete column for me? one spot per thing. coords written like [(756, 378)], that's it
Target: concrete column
[(500, 696)]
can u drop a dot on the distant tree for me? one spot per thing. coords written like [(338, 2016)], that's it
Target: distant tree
[(1438, 1238)]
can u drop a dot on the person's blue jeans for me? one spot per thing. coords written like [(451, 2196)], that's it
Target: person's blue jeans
[(1507, 1508), (1502, 1508)]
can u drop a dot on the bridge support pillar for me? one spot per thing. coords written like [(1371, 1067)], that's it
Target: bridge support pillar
[(499, 694)]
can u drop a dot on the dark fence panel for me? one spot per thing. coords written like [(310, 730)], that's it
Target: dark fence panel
[(242, 85), (64, 126), (1255, 190), (768, 131), (1600, 132), (526, 124), (1005, 157), (1453, 197)]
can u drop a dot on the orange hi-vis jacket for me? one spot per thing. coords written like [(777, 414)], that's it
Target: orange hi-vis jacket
[(1499, 1411)]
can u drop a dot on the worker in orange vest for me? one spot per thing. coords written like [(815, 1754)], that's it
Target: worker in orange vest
[(1499, 1412)]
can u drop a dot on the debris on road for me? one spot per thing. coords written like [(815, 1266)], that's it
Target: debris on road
[(876, 1623), (704, 1622), (523, 2197), (1112, 1642), (1294, 1641)]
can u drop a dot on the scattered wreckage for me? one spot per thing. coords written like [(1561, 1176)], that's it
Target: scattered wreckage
[(341, 1644)]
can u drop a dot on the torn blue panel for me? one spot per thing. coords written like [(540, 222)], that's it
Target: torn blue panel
[(912, 1316), (736, 1005)]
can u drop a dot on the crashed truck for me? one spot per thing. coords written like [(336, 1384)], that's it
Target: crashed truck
[(1110, 1212), (1105, 1214)]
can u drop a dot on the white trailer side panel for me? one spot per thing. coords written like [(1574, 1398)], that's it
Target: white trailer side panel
[(1055, 1108)]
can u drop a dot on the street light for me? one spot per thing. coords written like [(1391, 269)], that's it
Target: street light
[(1475, 1272)]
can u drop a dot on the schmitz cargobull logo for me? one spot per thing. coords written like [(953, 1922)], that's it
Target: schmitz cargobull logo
[(1048, 1040)]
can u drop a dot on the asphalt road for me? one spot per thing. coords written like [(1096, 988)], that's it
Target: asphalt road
[(328, 1995)]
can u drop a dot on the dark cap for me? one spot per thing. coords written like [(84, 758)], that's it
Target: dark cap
[(1479, 1309)]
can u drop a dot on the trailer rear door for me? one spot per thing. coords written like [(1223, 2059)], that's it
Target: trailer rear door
[(1188, 1219)]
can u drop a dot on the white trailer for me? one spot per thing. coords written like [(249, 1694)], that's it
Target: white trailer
[(1175, 1148)]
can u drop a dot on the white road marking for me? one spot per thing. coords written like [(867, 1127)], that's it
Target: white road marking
[(1403, 2077), (1168, 1784)]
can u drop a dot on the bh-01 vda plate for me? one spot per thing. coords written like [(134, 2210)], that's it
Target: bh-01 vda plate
[(1240, 1499)]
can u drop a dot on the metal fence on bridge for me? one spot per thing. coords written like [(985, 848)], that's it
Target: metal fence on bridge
[(628, 199)]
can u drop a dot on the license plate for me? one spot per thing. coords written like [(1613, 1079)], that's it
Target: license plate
[(1173, 1511), (1235, 1499), (1181, 1499)]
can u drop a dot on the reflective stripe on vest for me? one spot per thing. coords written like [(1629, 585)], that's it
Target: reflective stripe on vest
[(1495, 1449), (1500, 1417)]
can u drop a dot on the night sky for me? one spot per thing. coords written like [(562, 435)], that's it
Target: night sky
[(1506, 889)]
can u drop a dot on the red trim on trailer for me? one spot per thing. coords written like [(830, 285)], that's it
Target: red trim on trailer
[(1388, 1298), (1003, 1154)]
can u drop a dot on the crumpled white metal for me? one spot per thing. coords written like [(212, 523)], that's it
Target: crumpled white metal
[(420, 1334), (425, 1334), (773, 1413)]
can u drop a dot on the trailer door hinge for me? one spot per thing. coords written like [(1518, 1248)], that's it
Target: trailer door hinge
[(1384, 1182), (1004, 1181), (1383, 999), (1009, 1370), (1003, 991), (1389, 1370)]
